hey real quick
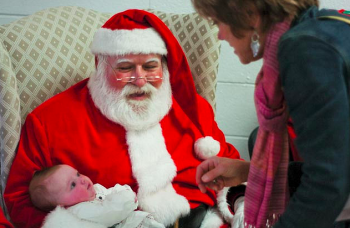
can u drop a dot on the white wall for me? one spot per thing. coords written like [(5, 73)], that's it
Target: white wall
[(235, 108)]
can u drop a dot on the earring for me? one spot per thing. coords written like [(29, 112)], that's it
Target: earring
[(255, 45)]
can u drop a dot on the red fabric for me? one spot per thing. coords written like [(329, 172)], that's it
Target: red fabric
[(129, 20), (225, 226), (69, 129), (4, 223)]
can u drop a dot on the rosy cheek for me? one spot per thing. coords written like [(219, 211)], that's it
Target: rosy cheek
[(157, 84), (113, 83)]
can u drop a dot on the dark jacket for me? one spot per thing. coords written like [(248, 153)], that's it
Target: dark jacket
[(314, 58)]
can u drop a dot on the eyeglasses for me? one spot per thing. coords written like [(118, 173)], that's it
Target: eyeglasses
[(151, 78), (148, 78)]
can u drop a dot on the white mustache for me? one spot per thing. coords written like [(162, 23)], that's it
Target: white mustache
[(130, 89)]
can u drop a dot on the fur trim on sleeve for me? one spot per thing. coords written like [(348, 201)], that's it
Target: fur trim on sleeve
[(223, 206), (165, 205), (212, 219)]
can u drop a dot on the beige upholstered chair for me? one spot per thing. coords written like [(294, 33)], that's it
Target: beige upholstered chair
[(47, 52)]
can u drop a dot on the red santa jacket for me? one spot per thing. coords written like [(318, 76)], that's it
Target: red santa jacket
[(4, 223), (69, 129)]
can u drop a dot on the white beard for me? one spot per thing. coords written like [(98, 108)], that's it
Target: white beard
[(131, 114)]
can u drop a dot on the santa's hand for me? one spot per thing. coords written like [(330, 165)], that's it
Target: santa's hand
[(238, 218)]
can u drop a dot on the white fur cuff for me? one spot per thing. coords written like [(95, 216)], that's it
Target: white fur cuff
[(223, 205), (212, 219)]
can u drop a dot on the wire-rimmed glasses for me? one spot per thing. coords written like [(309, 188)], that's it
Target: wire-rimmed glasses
[(148, 78)]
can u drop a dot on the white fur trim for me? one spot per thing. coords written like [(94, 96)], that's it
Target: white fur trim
[(212, 219), (61, 218), (206, 147), (123, 41), (154, 171), (223, 205), (151, 162), (165, 205)]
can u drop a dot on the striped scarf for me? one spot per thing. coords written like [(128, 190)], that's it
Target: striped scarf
[(267, 190)]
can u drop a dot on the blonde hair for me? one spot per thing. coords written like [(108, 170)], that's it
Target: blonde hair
[(40, 195), (237, 13)]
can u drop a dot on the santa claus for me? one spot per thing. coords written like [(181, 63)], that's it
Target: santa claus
[(137, 121)]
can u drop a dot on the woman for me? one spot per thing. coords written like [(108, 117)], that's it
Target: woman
[(305, 76)]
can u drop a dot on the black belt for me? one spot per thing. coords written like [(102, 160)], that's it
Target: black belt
[(193, 219)]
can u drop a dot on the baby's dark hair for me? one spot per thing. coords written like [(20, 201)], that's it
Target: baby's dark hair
[(39, 193)]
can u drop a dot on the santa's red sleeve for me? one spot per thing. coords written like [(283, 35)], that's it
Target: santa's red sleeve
[(32, 151)]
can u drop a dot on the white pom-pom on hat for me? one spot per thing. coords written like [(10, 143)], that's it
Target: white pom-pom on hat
[(206, 147)]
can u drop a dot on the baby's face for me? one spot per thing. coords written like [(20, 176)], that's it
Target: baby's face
[(69, 187)]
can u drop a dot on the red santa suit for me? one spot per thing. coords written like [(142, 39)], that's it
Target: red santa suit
[(158, 163), (4, 223)]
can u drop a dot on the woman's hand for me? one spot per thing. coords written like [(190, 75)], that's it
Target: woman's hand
[(219, 172)]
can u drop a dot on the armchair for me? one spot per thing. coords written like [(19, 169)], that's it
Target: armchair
[(47, 52)]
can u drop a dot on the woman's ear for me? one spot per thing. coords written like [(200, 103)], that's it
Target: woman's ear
[(255, 21)]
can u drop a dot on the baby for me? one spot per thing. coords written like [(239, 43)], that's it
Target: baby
[(64, 186)]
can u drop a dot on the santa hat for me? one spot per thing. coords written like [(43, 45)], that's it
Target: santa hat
[(121, 35)]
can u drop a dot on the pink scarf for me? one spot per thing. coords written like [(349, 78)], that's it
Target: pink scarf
[(267, 189)]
